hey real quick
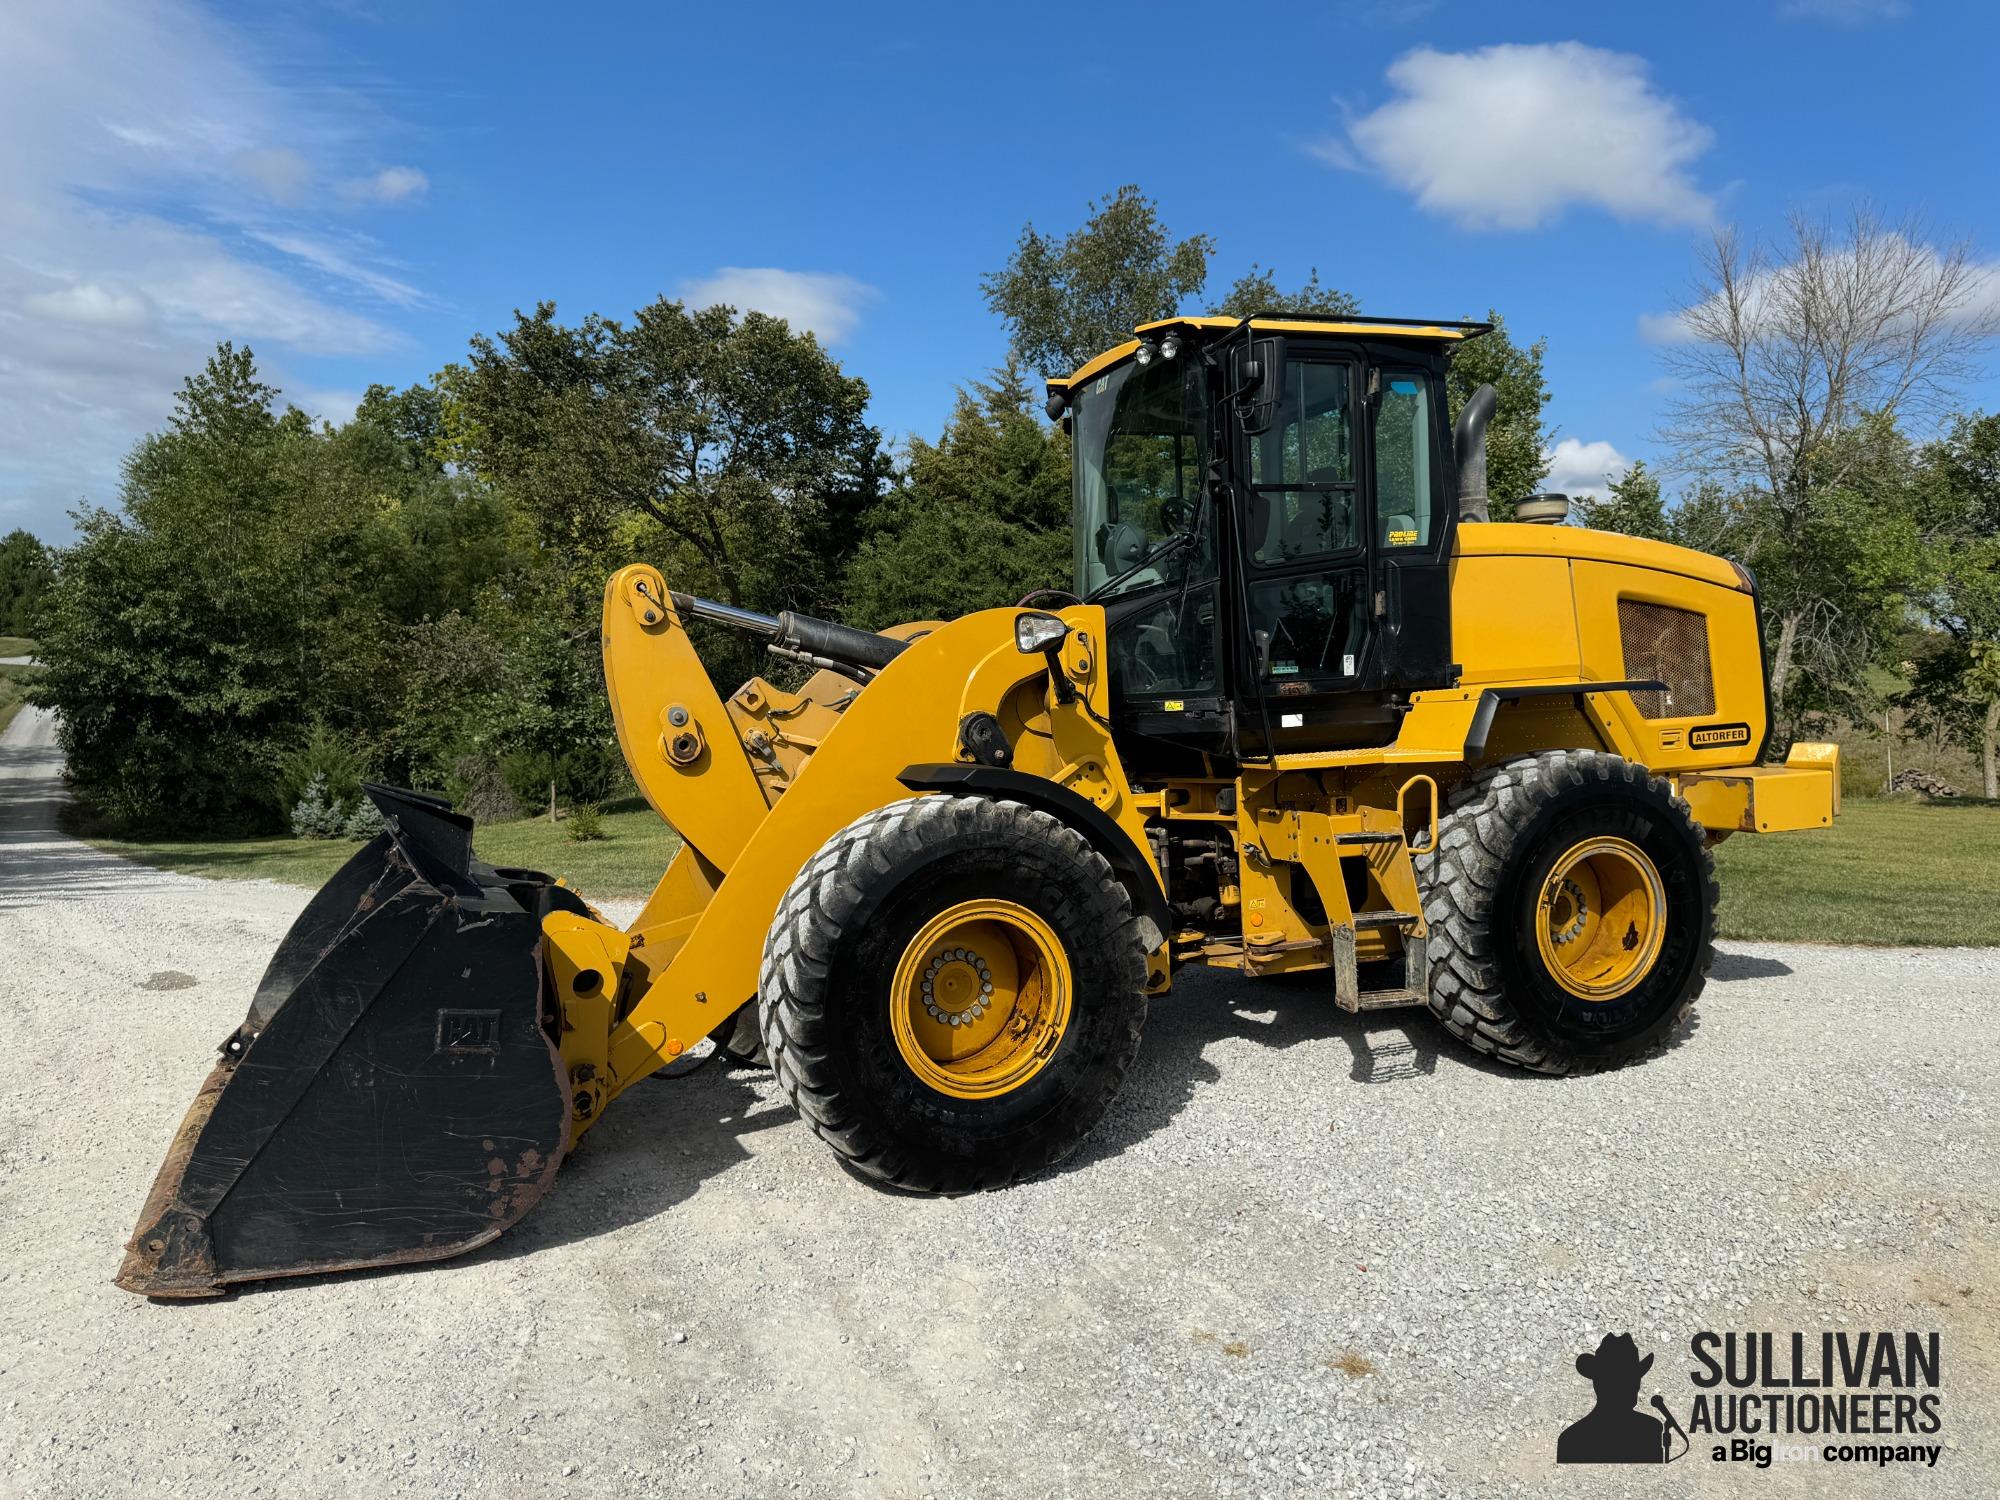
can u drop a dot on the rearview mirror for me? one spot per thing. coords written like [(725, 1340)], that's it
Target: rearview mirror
[(1256, 374)]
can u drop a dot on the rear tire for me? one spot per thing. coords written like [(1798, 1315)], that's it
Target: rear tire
[(1571, 904), (939, 910)]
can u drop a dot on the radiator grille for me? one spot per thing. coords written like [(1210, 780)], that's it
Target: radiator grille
[(1671, 646)]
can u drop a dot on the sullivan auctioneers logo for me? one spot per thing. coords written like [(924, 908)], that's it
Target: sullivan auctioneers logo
[(1763, 1398)]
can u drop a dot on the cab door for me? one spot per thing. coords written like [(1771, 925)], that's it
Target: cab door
[(1305, 554), (1414, 501), (1341, 549)]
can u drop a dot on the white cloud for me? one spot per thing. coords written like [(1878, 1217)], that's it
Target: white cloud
[(336, 263), (825, 302), (94, 304), (1577, 468), (390, 185), (1508, 137), (280, 171), (153, 183), (1664, 328), (1844, 12)]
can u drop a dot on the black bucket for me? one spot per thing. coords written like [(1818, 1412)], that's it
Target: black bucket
[(395, 1094)]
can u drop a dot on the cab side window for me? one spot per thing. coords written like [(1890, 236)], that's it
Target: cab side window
[(1405, 497), (1302, 469)]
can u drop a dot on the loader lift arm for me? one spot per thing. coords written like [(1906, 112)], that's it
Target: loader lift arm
[(688, 967)]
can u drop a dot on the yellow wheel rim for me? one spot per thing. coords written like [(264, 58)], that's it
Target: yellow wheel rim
[(1600, 919), (981, 996)]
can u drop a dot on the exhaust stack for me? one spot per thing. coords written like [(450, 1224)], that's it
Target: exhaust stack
[(1468, 442)]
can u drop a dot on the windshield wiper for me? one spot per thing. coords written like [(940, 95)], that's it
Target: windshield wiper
[(1166, 547)]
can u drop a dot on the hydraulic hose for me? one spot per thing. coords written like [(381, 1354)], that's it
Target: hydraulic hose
[(802, 636)]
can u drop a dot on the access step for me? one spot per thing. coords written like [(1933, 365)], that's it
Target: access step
[(1380, 1000), (1347, 991), (1384, 918)]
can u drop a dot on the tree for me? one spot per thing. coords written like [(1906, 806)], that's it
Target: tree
[(979, 519), (1066, 300), (996, 455), (1837, 569), (1516, 441), (251, 591), (1256, 291), (551, 704), (1956, 690), (742, 441), (1781, 357), (178, 635), (25, 574), (1634, 505)]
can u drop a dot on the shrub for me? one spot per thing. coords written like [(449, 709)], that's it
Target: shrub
[(329, 756), (585, 824), (318, 814), (364, 822)]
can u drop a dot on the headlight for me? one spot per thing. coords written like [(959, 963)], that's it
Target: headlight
[(1144, 354), (1170, 346), (1038, 632)]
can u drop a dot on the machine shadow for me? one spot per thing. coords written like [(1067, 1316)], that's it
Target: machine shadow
[(1728, 966), (655, 1148)]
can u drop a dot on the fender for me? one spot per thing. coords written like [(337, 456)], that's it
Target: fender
[(1132, 866)]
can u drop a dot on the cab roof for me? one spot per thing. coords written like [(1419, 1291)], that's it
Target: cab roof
[(1440, 331)]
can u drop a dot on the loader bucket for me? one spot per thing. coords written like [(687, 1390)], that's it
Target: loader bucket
[(394, 1094)]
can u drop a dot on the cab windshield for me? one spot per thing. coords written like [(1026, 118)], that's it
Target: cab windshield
[(1141, 435)]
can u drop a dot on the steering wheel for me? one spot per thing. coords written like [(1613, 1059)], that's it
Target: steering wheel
[(1063, 595), (1139, 678)]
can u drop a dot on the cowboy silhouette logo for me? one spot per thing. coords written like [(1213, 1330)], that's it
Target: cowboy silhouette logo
[(1612, 1432)]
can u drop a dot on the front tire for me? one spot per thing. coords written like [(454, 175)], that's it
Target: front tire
[(952, 992), (1572, 909)]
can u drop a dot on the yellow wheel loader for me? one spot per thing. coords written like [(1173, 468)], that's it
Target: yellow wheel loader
[(1307, 709)]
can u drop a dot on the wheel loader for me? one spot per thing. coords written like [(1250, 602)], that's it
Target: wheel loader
[(1306, 710)]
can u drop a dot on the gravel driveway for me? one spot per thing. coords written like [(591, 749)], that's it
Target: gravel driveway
[(1308, 1254)]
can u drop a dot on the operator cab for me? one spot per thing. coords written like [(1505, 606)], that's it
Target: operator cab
[(1264, 508)]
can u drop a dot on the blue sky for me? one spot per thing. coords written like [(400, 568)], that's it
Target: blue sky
[(356, 188)]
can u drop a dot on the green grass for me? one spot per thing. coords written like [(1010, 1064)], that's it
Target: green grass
[(17, 645), (1894, 871), (13, 684), (624, 864), (1890, 871)]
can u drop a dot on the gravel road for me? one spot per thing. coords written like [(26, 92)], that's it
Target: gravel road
[(1308, 1254)]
